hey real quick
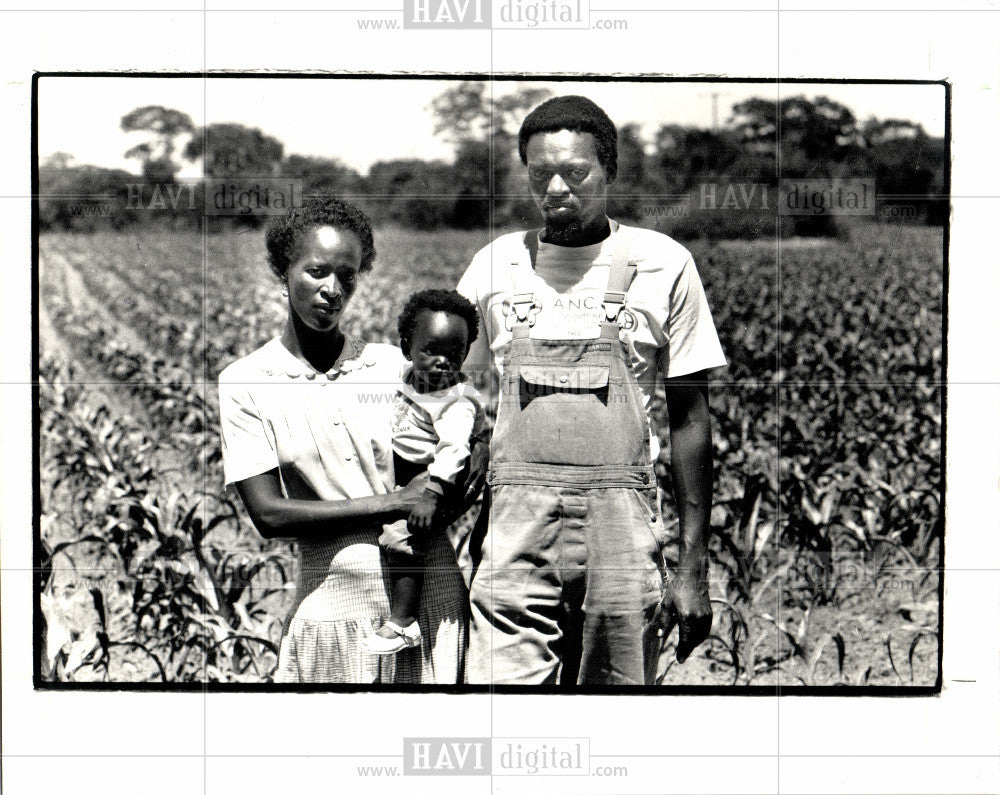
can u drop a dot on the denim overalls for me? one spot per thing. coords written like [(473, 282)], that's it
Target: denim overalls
[(572, 571)]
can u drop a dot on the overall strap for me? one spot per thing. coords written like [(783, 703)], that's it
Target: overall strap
[(531, 243), (522, 303), (619, 277)]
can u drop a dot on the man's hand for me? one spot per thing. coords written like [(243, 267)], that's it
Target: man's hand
[(686, 604), (423, 513)]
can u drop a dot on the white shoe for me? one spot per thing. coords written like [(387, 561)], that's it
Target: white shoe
[(406, 638)]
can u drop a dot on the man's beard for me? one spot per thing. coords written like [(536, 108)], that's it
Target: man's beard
[(571, 231), (561, 227)]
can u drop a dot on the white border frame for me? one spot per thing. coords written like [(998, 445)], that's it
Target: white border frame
[(711, 744)]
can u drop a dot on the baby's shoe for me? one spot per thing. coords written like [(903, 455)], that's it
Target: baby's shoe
[(406, 637)]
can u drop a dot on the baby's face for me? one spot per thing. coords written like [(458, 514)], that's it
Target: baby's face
[(439, 345)]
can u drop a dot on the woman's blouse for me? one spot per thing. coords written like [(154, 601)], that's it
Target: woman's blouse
[(328, 434)]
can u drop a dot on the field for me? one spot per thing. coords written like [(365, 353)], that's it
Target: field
[(827, 520)]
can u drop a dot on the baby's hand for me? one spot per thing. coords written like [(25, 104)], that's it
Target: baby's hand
[(423, 513)]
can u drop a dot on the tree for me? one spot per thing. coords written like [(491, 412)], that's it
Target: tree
[(755, 121), (630, 185), (480, 176), (875, 132), (85, 198), (322, 175), (812, 133), (821, 128), (631, 156), (57, 161), (230, 150), (906, 163), (483, 128), (467, 111), (692, 164), (686, 155), (412, 192), (165, 125)]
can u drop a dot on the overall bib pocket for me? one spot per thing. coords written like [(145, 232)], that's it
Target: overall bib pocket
[(567, 382)]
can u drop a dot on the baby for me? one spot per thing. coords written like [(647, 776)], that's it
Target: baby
[(436, 414)]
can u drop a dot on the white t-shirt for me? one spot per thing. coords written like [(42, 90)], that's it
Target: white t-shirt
[(674, 334)]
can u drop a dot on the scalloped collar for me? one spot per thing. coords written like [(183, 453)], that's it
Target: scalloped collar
[(285, 363)]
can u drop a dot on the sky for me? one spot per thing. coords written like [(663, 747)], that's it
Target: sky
[(361, 121)]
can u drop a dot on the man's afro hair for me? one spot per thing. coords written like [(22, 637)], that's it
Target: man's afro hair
[(577, 114)]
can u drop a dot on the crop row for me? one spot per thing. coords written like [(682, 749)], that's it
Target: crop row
[(174, 407), (140, 581)]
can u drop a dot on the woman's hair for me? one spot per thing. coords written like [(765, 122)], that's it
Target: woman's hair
[(577, 114), (286, 234), (436, 301)]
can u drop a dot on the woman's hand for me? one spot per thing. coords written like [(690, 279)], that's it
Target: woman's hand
[(408, 496), (462, 496), (424, 513), (479, 463)]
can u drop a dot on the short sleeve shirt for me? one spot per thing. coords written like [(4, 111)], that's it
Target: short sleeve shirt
[(328, 434), (673, 335)]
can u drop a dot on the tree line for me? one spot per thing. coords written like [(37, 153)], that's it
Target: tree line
[(687, 181)]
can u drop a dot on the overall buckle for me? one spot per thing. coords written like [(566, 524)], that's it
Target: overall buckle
[(614, 303), (521, 308)]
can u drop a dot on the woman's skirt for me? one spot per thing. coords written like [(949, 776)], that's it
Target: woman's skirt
[(344, 589)]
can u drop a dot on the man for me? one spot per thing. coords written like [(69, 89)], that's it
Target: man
[(581, 320)]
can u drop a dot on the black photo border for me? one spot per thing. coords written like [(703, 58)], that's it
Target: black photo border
[(626, 690)]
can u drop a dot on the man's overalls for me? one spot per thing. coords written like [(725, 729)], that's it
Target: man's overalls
[(572, 571)]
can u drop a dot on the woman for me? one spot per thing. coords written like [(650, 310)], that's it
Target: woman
[(306, 441)]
